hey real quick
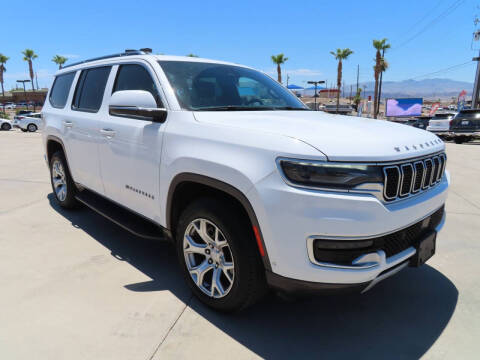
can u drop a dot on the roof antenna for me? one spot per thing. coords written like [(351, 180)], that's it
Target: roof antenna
[(146, 50)]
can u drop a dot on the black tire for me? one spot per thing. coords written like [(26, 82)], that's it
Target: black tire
[(6, 126), (32, 127), (24, 130), (69, 201), (249, 283), (458, 140)]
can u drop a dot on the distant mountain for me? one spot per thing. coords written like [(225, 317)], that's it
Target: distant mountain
[(428, 88)]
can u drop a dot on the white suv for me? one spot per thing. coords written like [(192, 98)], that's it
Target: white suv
[(254, 189)]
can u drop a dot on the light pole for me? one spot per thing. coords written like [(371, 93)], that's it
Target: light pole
[(24, 90), (316, 83)]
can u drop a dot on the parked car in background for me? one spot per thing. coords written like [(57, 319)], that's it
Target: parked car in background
[(440, 125), (31, 122), (5, 124), (22, 113), (10, 106), (342, 109), (465, 126), (420, 122)]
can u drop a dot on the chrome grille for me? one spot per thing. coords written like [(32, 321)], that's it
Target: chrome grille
[(406, 178)]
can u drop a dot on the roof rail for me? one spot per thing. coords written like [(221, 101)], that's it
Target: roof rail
[(127, 52)]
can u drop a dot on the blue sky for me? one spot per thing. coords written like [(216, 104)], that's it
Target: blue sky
[(433, 35)]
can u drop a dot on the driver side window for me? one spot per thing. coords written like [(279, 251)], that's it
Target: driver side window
[(135, 77)]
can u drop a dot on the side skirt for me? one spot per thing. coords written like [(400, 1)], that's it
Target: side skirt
[(123, 217)]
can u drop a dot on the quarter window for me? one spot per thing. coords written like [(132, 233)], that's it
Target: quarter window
[(90, 89), (60, 90), (135, 77)]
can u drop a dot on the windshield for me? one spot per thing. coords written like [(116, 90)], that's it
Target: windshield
[(468, 115), (211, 87)]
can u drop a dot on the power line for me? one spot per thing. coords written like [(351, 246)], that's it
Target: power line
[(424, 17), (445, 13), (450, 68)]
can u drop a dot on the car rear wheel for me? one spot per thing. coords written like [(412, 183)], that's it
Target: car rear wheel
[(32, 127), (6, 126), (63, 186), (24, 130), (218, 255)]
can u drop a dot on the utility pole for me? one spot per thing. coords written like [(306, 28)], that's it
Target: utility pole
[(476, 86), (358, 72)]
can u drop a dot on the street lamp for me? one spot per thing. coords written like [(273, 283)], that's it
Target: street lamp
[(24, 90), (316, 83)]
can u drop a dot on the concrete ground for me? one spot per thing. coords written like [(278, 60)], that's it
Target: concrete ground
[(75, 286)]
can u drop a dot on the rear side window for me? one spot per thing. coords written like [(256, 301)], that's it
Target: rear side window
[(135, 77), (90, 89), (60, 89)]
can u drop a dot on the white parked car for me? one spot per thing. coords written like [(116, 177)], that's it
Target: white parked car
[(30, 122), (440, 125), (10, 106), (5, 124), (254, 190)]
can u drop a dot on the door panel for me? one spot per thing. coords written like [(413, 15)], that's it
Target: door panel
[(130, 149)]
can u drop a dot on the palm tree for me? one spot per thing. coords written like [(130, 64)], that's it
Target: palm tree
[(29, 55), (380, 45), (3, 61), (383, 67), (279, 60), (59, 60), (384, 48), (340, 55)]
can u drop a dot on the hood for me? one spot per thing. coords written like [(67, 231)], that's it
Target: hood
[(340, 138)]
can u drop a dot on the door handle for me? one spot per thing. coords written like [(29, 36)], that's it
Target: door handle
[(107, 132), (68, 124)]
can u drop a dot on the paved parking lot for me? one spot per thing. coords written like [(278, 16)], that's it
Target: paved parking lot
[(75, 286)]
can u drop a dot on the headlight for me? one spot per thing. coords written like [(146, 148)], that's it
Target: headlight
[(330, 175)]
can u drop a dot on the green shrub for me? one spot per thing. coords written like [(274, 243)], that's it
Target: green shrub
[(4, 115)]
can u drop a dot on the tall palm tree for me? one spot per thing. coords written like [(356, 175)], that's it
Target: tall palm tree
[(340, 55), (3, 61), (29, 55), (279, 59), (380, 46), (383, 67), (385, 47), (59, 60)]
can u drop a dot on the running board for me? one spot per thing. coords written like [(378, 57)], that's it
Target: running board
[(121, 216)]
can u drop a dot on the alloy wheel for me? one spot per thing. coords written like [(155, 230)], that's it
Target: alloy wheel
[(59, 180), (208, 258)]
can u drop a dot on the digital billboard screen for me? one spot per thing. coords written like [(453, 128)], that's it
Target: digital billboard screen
[(404, 107)]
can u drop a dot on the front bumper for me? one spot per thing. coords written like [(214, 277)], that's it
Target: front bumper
[(289, 217)]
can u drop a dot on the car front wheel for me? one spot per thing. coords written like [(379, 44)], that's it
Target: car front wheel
[(218, 255), (6, 126), (32, 127)]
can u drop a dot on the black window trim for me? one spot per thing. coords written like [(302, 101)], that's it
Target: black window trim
[(81, 82), (158, 98), (74, 72)]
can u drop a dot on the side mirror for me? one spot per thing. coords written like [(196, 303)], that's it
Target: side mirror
[(137, 104)]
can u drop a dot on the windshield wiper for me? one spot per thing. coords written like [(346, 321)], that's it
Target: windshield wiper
[(233, 108)]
